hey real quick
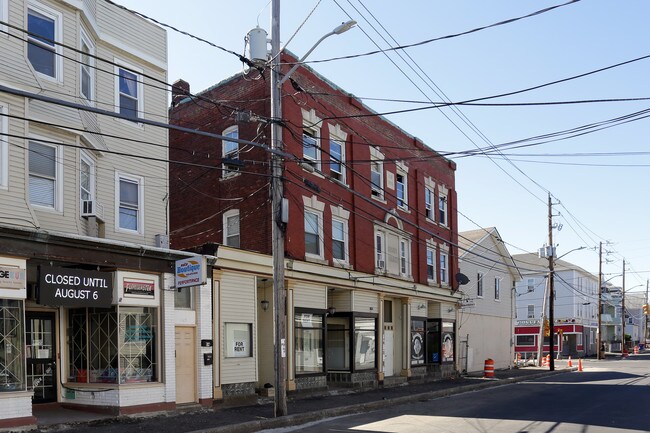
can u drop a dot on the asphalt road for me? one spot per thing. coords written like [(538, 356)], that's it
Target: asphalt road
[(609, 396)]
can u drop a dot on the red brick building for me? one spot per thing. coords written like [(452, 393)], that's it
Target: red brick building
[(370, 207)]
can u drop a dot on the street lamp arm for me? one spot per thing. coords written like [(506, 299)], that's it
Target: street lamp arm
[(570, 251), (337, 31)]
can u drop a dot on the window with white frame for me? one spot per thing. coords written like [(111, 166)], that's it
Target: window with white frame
[(313, 234), (479, 285), (45, 183), (129, 198), (340, 240), (431, 264), (86, 66), (230, 151), (442, 210), (4, 146), (310, 148), (444, 271), (128, 91), (231, 232), (402, 198), (404, 258), (428, 204), (337, 170), (530, 284), (530, 314), (337, 152), (380, 251), (44, 27), (376, 173), (86, 179), (497, 288)]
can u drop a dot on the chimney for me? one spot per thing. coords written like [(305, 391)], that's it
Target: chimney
[(180, 90)]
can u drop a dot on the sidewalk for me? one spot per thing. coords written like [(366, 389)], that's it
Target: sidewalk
[(301, 408)]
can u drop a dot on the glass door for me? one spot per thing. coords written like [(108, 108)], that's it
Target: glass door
[(41, 356)]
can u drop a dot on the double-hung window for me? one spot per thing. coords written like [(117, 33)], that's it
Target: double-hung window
[(531, 311), (313, 229), (431, 264), (128, 91), (442, 210), (402, 200), (231, 232), (479, 285), (428, 204), (336, 160), (310, 148), (376, 173), (129, 202), (380, 251), (230, 151), (444, 277), (86, 66), (86, 180), (404, 258), (43, 25), (339, 240), (44, 175)]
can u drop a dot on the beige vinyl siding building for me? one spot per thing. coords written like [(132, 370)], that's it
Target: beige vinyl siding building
[(84, 218), (485, 320)]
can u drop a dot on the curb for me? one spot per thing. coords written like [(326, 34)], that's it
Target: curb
[(303, 418)]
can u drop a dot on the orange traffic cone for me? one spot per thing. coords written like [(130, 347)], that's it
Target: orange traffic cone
[(543, 361), (548, 360), (570, 363), (579, 364)]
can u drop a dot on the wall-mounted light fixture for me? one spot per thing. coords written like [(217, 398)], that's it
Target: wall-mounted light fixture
[(421, 306), (264, 302), (331, 311)]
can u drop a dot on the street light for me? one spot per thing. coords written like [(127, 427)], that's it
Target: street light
[(277, 232)]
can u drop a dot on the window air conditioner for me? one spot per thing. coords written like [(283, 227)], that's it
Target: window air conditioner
[(88, 208), (381, 264)]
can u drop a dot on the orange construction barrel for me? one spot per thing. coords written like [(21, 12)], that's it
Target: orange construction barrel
[(489, 368)]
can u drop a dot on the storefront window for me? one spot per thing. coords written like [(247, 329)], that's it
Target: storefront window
[(365, 331), (309, 342), (238, 340), (137, 337), (417, 341), (111, 345), (448, 342), (12, 361), (338, 343)]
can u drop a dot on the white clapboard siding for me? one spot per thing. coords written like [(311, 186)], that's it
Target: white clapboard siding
[(340, 299), (365, 302), (238, 301), (308, 295)]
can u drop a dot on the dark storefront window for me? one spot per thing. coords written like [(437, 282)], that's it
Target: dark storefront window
[(12, 361), (111, 345), (309, 333), (365, 331), (418, 342)]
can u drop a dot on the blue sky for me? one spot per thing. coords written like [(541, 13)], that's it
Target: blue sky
[(603, 198)]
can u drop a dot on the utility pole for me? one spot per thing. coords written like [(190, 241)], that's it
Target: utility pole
[(645, 316), (542, 317), (277, 230), (551, 289), (599, 350), (623, 313)]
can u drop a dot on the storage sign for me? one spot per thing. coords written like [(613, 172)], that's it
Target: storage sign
[(68, 287), (190, 272)]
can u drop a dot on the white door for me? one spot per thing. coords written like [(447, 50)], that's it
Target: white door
[(185, 365), (388, 355)]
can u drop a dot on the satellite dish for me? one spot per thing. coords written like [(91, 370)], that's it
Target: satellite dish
[(461, 279)]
